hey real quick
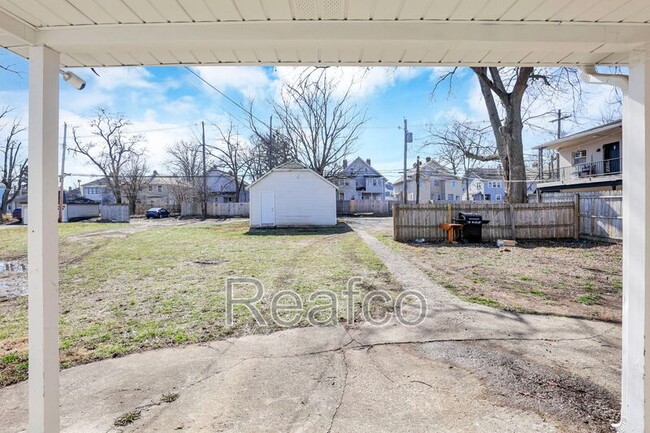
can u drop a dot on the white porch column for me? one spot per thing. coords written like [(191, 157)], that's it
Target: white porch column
[(635, 412), (43, 241)]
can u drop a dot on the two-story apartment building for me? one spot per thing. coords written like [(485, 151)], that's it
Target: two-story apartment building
[(360, 181), (437, 183), (485, 184), (590, 160)]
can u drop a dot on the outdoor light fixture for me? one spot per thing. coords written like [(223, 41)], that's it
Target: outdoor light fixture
[(73, 79)]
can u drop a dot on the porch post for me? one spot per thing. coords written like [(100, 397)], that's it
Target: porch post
[(43, 238), (635, 407)]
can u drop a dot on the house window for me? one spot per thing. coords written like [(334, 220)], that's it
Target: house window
[(159, 188), (436, 183), (579, 157), (450, 197), (374, 182), (457, 198), (488, 197), (497, 197), (439, 197), (453, 184), (150, 188)]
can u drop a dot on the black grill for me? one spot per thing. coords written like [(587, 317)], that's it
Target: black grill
[(472, 230)]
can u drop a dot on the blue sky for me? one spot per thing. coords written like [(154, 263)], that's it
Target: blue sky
[(166, 104)]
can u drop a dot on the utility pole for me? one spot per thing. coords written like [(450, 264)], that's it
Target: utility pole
[(271, 143), (204, 206), (62, 177), (559, 120), (408, 138), (417, 181)]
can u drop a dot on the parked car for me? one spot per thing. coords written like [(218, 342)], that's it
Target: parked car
[(157, 212), (17, 214)]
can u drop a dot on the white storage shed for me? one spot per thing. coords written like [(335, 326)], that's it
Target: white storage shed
[(292, 195)]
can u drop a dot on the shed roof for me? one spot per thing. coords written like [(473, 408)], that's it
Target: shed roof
[(292, 166), (409, 32)]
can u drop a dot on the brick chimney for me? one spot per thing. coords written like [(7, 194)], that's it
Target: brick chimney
[(368, 161), (345, 163)]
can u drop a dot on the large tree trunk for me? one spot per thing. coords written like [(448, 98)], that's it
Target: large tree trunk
[(507, 133), (5, 202)]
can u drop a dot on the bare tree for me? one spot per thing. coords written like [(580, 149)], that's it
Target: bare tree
[(233, 155), (133, 179), (110, 148), (182, 191), (319, 121), (266, 153), (13, 172), (459, 146), (184, 160), (505, 90)]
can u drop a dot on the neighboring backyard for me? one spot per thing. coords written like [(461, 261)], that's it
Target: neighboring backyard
[(139, 286), (564, 277)]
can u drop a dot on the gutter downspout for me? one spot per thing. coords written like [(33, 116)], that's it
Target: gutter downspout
[(589, 74)]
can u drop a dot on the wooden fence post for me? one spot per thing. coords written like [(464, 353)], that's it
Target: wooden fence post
[(395, 217), (449, 216), (513, 227), (576, 217)]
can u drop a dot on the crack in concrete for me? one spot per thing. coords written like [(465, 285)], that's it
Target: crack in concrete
[(345, 385)]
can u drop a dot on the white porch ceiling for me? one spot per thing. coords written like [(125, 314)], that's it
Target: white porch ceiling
[(346, 32)]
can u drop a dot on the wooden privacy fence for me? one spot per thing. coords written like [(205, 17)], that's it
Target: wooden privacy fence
[(216, 209), (600, 212), (118, 213), (375, 207), (519, 221)]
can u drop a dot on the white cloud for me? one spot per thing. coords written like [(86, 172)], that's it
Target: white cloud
[(122, 78), (362, 81), (251, 81)]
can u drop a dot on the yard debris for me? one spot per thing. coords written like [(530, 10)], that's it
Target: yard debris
[(506, 243), (420, 241)]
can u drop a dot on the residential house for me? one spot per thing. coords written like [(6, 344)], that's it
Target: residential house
[(292, 195), (222, 189), (158, 191), (590, 160), (485, 184), (360, 181), (437, 183), (98, 190)]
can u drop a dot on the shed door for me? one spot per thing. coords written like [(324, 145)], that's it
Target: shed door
[(267, 200)]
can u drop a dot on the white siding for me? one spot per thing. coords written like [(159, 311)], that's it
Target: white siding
[(302, 198), (593, 148)]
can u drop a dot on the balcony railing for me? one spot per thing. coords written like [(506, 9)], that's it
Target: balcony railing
[(587, 170)]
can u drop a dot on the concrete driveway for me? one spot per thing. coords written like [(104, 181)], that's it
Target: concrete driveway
[(466, 368)]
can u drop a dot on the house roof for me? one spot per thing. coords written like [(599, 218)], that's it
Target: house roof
[(353, 169), (429, 169), (101, 181), (291, 166), (612, 129), (95, 33), (486, 173)]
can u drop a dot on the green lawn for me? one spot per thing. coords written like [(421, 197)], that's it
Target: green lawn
[(125, 290)]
